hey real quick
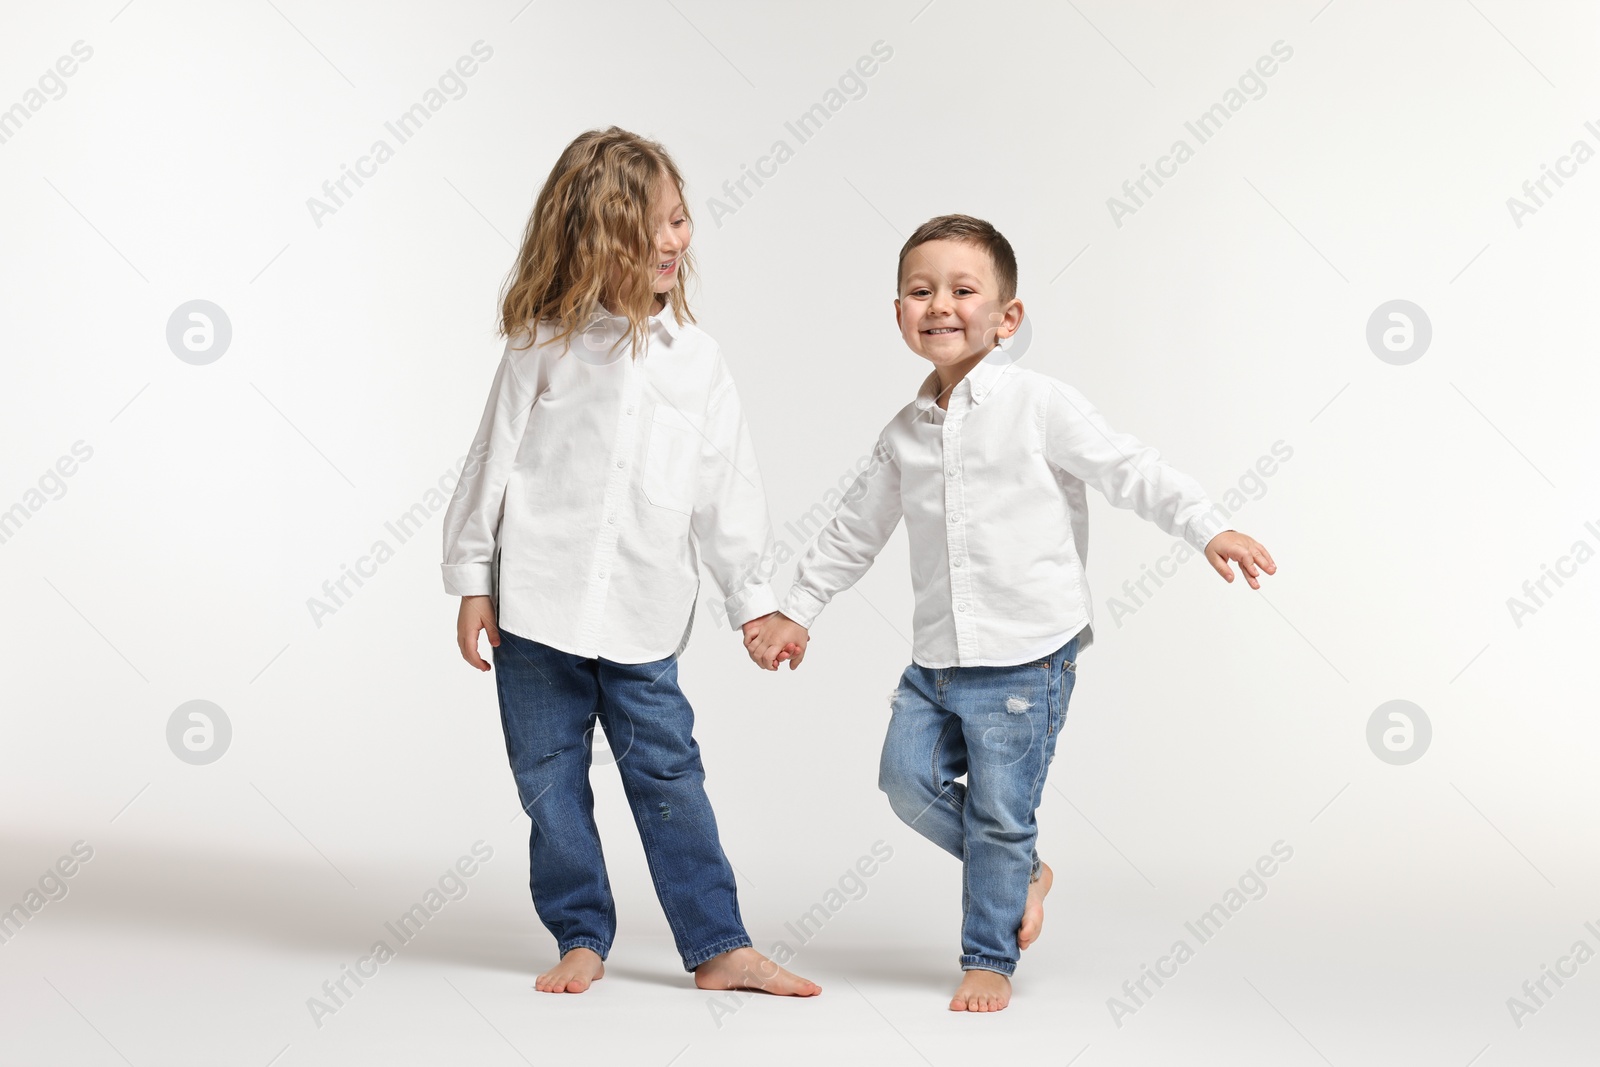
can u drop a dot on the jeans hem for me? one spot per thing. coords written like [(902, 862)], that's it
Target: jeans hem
[(599, 948), (988, 963), (690, 962)]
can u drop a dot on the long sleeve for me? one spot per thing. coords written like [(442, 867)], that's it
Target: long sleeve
[(852, 539), (730, 520), (472, 521), (1130, 473)]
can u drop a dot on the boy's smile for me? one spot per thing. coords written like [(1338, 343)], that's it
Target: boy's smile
[(949, 310)]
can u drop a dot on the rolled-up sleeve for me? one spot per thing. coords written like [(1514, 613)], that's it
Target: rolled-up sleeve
[(1131, 474), (852, 539), (472, 521), (731, 525)]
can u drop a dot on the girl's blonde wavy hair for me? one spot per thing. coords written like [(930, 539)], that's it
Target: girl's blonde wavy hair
[(592, 218)]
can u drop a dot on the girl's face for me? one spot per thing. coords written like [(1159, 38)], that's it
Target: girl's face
[(672, 233)]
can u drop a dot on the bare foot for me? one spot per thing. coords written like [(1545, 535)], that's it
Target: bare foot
[(745, 968), (1033, 911), (578, 968), (982, 991)]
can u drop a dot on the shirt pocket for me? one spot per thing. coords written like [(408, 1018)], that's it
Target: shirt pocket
[(671, 461)]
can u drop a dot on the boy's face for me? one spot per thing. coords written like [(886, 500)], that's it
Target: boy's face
[(949, 310)]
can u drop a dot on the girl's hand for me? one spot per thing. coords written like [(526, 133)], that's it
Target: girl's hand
[(1245, 550), (477, 613), (779, 640), (752, 630)]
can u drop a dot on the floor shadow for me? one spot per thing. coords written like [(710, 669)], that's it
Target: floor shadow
[(912, 968), (281, 903), (678, 979)]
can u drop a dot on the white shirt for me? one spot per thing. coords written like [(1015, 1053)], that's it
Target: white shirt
[(601, 482), (990, 490)]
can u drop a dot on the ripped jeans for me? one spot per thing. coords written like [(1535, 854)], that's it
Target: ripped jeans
[(998, 726), (549, 703)]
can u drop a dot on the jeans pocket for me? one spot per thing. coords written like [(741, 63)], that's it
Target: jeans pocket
[(1067, 679)]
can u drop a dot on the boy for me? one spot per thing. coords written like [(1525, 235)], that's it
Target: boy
[(989, 467)]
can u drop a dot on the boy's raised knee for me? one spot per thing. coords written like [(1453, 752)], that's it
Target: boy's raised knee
[(909, 793)]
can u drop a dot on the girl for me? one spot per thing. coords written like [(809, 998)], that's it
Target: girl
[(611, 458)]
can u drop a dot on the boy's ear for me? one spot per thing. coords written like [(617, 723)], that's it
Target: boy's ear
[(1015, 320), (897, 313)]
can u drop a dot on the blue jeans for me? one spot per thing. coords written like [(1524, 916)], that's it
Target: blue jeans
[(998, 726), (549, 703)]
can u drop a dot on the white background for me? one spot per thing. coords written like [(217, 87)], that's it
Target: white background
[(1226, 314)]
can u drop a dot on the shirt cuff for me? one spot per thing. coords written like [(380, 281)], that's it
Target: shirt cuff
[(802, 607), (468, 579), (1203, 527), (751, 602)]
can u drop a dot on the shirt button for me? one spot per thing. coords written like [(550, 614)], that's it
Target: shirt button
[(619, 464), (630, 409), (951, 471), (958, 562), (600, 574), (961, 607), (612, 519), (955, 518)]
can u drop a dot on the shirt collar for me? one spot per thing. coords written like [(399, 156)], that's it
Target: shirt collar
[(979, 382), (668, 321), (663, 320)]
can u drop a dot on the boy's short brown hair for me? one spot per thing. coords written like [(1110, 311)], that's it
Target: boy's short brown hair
[(974, 232)]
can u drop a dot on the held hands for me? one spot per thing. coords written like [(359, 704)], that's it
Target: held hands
[(1243, 549), (774, 638), (477, 613)]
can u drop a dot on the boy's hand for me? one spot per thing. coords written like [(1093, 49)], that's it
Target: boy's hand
[(776, 639), (753, 628), (477, 613), (1245, 550)]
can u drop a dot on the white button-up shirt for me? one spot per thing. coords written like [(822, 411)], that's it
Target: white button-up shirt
[(596, 484), (990, 490)]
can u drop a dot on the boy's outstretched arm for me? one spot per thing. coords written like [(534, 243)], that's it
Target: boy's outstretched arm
[(836, 559), (1133, 475), (1251, 555)]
